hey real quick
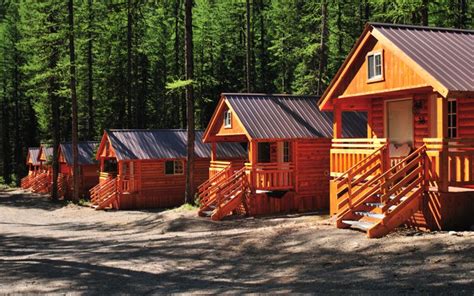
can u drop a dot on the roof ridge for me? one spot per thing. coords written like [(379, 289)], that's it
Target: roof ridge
[(270, 95), (150, 130), (418, 27)]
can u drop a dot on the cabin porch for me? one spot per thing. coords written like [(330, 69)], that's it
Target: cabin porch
[(424, 160), (277, 177)]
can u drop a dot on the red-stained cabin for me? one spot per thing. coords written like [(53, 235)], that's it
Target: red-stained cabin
[(34, 167), (147, 168), (417, 164), (88, 168), (287, 164)]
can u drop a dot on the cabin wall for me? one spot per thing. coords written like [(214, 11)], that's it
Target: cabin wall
[(312, 169), (420, 120), (235, 129), (465, 118), (396, 73), (311, 160), (157, 190)]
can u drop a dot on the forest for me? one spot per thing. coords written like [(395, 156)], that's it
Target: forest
[(129, 59)]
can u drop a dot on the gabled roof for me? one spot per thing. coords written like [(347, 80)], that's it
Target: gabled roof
[(446, 54), (443, 56), (33, 154), (163, 144), (86, 152), (47, 151), (269, 116)]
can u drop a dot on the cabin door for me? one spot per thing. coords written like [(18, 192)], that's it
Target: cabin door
[(400, 122), (399, 129)]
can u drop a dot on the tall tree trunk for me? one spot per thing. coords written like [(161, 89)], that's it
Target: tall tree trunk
[(323, 45), (189, 65), (424, 12), (18, 153), (90, 82), (263, 51), (462, 14), (6, 149), (55, 102), (129, 63), (72, 73), (248, 45)]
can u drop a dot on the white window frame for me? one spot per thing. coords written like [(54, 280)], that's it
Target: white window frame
[(375, 77), (228, 119), (452, 119)]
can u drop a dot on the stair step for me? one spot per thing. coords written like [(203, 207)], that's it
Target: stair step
[(374, 204), (370, 214), (362, 225), (207, 213)]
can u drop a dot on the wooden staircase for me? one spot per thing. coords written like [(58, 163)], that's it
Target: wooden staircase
[(104, 195), (377, 201), (27, 181), (220, 198), (41, 183)]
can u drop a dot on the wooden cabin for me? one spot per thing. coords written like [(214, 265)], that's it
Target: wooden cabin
[(88, 168), (41, 183), (416, 166), (286, 168), (147, 168), (34, 166)]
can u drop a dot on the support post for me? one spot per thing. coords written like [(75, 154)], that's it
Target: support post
[(443, 134)]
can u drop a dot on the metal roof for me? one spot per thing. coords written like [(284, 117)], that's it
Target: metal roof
[(269, 116), (47, 151), (33, 154), (446, 54), (159, 144), (86, 152)]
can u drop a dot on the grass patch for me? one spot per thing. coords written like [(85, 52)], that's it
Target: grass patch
[(187, 207)]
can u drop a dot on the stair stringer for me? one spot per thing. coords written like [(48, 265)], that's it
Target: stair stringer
[(392, 220)]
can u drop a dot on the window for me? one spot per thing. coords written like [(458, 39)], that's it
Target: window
[(174, 167), (264, 152), (286, 152), (452, 118), (374, 64), (228, 119)]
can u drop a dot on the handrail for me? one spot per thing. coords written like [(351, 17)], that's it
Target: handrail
[(389, 177), (342, 176)]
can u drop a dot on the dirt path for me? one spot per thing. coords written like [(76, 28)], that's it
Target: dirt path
[(58, 248)]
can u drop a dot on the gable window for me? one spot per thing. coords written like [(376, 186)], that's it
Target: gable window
[(228, 119), (374, 64), (174, 167), (452, 118)]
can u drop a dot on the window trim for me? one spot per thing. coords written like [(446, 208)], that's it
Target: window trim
[(174, 167), (456, 122), (286, 152), (376, 78), (228, 119)]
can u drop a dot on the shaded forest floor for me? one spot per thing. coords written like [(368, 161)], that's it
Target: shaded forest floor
[(60, 248)]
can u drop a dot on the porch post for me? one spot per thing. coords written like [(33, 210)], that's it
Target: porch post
[(337, 122), (253, 161), (213, 151), (443, 132)]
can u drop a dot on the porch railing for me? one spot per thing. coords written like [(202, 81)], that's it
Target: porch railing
[(345, 153), (217, 166), (456, 166), (271, 176)]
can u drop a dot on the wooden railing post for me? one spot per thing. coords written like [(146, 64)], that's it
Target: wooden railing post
[(444, 167)]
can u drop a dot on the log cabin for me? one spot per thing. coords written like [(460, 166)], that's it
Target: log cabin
[(41, 183), (286, 168), (147, 168), (34, 166), (416, 166), (88, 168)]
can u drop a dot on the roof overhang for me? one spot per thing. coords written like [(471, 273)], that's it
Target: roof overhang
[(209, 137), (326, 102)]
